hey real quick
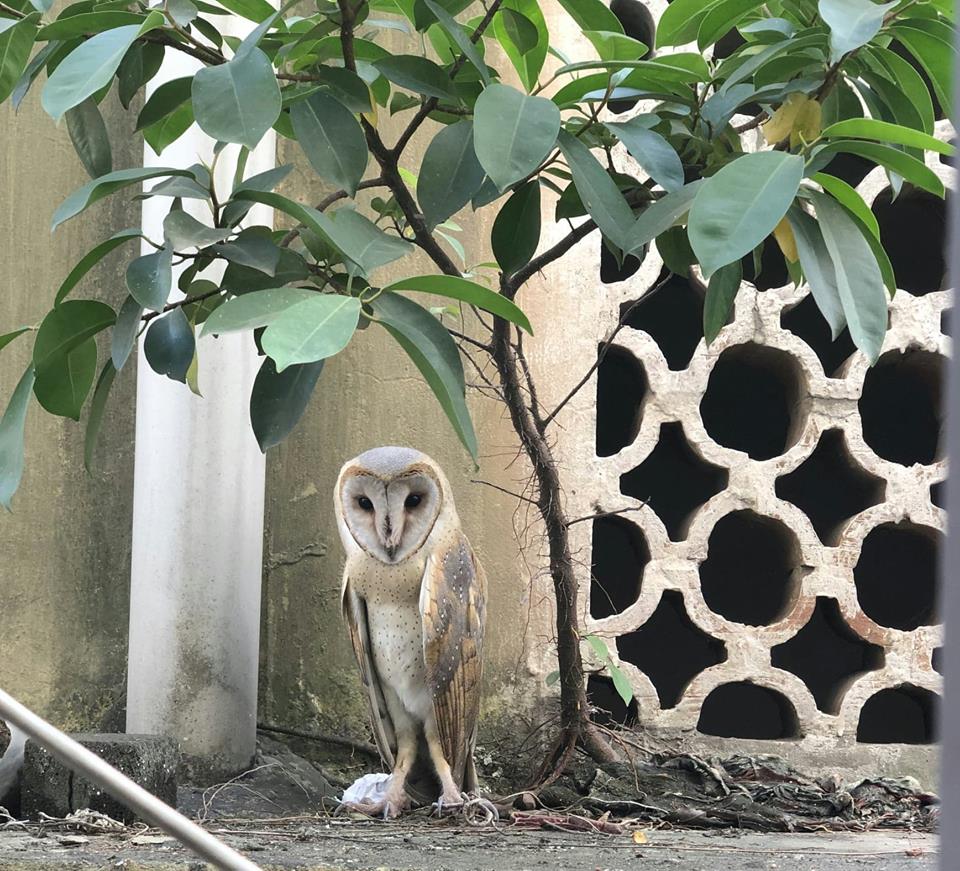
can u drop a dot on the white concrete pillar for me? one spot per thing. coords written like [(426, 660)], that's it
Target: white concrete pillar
[(198, 519)]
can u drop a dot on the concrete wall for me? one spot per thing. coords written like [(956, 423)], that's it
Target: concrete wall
[(65, 551)]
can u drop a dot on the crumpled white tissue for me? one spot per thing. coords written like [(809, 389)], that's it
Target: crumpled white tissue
[(369, 788)]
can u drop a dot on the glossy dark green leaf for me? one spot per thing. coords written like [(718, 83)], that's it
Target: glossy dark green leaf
[(98, 188), (870, 128), (125, 331), (858, 278), (852, 23), (250, 311), (721, 18), (11, 438), (90, 139), (311, 330), (450, 173), (935, 55), (238, 101), (655, 155), (516, 230), (332, 140), (63, 383), (660, 216), (818, 269), (592, 15), (182, 231), (454, 287), (615, 46), (718, 302), (88, 24), (169, 345), (906, 80), (138, 67), (680, 22), (418, 74), (521, 30), (16, 41), (346, 86), (165, 99), (92, 258), (254, 247), (279, 400), (150, 278), (68, 325), (460, 37), (598, 192), (433, 351), (740, 206), (674, 247), (169, 128), (914, 171), (7, 338), (236, 210)]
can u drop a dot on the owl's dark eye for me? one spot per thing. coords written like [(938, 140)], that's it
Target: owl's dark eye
[(365, 503), (413, 500)]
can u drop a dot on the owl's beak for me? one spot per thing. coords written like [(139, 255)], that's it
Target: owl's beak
[(391, 550), (391, 539)]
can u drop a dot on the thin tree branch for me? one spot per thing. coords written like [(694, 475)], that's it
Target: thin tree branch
[(463, 337), (170, 306), (606, 514), (519, 496), (16, 13)]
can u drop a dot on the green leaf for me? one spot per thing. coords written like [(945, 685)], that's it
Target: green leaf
[(905, 79), (236, 210), (346, 86), (91, 259), (552, 678), (681, 21), (740, 206), (660, 216), (279, 400), (169, 345), (252, 10), (850, 199), (237, 101), (138, 67), (935, 55), (598, 191), (852, 23), (98, 188), (419, 75), (125, 332), (466, 291), (11, 438), (513, 133), (181, 231), (311, 330), (721, 17), (869, 128), (521, 30), (150, 278), (68, 325), (88, 23), (655, 155), (674, 247), (598, 646), (169, 129), (620, 682), (859, 282), (87, 69), (7, 338), (516, 231), (253, 310), (718, 303), (90, 139), (460, 37), (332, 140), (16, 41), (592, 15), (98, 407), (255, 248), (818, 268), (914, 171), (433, 351), (167, 98), (450, 173), (63, 383)]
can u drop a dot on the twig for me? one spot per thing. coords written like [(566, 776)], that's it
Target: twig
[(463, 337), (359, 746), (519, 496), (606, 513), (170, 306)]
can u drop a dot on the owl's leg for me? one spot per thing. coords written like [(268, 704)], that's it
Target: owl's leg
[(451, 794)]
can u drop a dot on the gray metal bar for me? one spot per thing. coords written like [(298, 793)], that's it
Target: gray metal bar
[(122, 788)]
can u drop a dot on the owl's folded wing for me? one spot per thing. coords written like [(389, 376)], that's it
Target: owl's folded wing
[(355, 614), (453, 608)]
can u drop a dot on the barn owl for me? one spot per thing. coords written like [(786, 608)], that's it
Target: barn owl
[(414, 600)]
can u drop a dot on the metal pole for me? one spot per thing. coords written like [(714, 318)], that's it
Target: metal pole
[(148, 806)]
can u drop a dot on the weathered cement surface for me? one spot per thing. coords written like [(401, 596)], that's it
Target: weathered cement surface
[(64, 577), (375, 846)]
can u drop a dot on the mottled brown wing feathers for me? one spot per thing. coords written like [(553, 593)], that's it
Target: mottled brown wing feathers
[(355, 615), (453, 607)]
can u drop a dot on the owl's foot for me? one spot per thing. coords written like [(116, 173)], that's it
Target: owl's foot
[(477, 811), (450, 800)]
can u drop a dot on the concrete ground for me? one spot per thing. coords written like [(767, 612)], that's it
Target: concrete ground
[(333, 845)]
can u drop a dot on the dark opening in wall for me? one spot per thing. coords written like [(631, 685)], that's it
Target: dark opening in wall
[(913, 232), (750, 573), (611, 272), (938, 494), (609, 708), (773, 268), (745, 710), (728, 44), (900, 715), (674, 480), (830, 486), (638, 24), (896, 575), (945, 318), (826, 654), (621, 388), (950, 159), (752, 399), (670, 649), (900, 407), (672, 317), (936, 660), (805, 321), (620, 554), (851, 168)]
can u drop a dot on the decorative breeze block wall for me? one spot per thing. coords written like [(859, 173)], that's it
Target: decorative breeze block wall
[(772, 574)]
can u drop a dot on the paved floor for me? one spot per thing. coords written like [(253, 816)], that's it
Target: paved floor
[(359, 846)]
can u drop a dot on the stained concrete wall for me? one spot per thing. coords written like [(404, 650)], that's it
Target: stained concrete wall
[(65, 550)]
